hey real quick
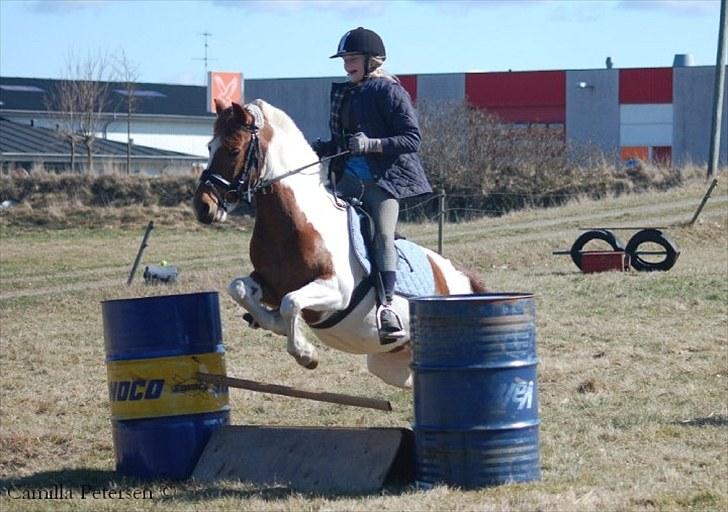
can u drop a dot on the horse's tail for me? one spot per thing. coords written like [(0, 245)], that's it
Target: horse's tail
[(476, 285), (451, 280)]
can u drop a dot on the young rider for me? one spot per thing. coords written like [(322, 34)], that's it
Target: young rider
[(372, 116)]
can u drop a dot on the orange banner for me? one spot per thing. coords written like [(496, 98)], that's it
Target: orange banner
[(224, 86)]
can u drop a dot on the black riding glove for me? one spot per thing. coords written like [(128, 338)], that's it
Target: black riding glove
[(324, 148)]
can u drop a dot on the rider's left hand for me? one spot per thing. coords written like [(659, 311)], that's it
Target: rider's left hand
[(360, 144)]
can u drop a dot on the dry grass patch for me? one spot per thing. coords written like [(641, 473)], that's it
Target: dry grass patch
[(633, 369)]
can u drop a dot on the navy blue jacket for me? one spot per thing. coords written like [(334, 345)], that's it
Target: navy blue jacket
[(382, 109)]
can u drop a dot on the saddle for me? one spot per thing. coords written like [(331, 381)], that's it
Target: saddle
[(414, 273)]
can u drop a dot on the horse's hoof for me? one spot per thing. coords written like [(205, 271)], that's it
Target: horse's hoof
[(252, 323), (308, 362), (236, 290)]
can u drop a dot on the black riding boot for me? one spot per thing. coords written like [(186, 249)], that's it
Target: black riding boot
[(389, 324)]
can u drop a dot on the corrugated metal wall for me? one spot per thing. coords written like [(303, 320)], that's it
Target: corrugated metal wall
[(693, 111), (658, 112), (409, 82), (629, 109), (645, 113), (645, 85), (520, 97), (305, 100)]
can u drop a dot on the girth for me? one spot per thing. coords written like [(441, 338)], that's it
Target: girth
[(357, 296)]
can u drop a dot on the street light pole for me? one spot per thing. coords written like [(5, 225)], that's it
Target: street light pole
[(714, 153)]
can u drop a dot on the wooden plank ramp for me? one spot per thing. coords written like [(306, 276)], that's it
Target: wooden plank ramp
[(320, 460)]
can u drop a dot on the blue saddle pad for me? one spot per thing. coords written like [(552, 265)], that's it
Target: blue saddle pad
[(414, 273)]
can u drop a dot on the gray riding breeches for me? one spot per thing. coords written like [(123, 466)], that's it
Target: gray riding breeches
[(384, 210)]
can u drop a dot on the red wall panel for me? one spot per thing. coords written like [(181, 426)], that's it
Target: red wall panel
[(524, 96), (409, 82), (653, 85)]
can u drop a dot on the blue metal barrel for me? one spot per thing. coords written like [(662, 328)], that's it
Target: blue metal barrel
[(476, 397), (162, 416)]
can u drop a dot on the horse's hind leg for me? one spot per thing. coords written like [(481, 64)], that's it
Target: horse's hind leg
[(247, 292), (319, 295), (393, 367)]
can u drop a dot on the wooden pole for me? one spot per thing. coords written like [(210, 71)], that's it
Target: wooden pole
[(260, 387), (702, 203), (150, 226)]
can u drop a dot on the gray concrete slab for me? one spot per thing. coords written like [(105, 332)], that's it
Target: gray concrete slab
[(693, 91), (592, 109)]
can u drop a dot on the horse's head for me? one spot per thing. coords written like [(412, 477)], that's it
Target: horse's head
[(235, 164)]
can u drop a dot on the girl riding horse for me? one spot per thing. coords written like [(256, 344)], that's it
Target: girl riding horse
[(372, 116)]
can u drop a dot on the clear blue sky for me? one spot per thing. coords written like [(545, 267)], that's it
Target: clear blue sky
[(293, 38)]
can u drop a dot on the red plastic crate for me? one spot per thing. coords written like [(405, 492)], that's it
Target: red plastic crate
[(601, 261)]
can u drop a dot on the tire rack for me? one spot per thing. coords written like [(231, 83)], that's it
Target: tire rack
[(653, 235)]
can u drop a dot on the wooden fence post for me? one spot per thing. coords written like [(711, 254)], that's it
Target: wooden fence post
[(441, 221)]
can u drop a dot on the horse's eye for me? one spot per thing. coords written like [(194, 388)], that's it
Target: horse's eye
[(235, 152)]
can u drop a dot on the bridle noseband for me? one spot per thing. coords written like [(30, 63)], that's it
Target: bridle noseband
[(233, 191)]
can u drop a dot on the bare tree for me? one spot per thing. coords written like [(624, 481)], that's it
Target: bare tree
[(128, 74), (79, 100), (62, 107)]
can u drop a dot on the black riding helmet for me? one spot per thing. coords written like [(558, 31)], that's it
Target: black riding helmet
[(361, 40)]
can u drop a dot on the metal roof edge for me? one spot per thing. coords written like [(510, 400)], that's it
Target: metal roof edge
[(82, 156), (119, 116), (341, 77)]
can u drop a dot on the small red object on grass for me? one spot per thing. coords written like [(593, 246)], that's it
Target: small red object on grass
[(601, 261)]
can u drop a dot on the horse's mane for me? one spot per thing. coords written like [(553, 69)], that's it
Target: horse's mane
[(292, 137), (279, 119), (227, 125)]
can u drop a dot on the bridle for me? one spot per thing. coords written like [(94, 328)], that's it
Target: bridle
[(233, 191)]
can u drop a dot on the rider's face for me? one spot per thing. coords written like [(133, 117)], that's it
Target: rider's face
[(354, 67)]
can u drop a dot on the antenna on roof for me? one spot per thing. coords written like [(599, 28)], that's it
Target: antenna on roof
[(205, 34)]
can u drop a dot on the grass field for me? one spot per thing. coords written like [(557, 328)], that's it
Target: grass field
[(633, 373)]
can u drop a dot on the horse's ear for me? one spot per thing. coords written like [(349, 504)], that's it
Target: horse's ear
[(241, 114), (219, 106)]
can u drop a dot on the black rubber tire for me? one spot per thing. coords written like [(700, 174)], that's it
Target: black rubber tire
[(588, 236), (654, 236)]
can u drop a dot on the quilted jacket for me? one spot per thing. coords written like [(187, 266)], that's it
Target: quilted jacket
[(382, 109)]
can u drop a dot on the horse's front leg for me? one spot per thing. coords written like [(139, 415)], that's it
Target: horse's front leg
[(247, 292), (319, 295)]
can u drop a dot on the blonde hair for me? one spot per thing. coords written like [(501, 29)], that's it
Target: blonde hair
[(377, 71)]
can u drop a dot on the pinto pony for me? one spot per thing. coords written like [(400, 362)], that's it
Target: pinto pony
[(305, 270)]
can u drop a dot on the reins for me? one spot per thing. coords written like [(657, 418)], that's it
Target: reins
[(267, 183), (253, 160)]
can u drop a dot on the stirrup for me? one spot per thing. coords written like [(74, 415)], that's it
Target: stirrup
[(386, 337)]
